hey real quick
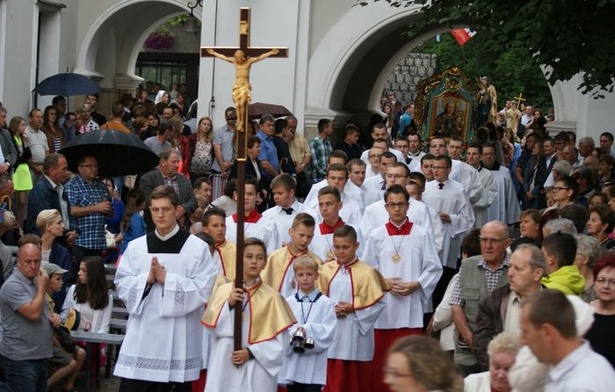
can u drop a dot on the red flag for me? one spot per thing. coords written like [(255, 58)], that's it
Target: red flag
[(463, 35)]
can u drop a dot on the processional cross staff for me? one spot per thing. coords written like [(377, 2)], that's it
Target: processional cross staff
[(242, 57), (519, 99)]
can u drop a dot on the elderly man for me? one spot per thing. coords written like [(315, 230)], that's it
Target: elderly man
[(477, 280), (26, 320), (90, 205), (549, 330), (166, 174), (502, 309)]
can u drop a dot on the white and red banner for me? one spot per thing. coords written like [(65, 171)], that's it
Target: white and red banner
[(463, 35)]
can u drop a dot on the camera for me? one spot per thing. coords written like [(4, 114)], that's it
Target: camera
[(300, 342)]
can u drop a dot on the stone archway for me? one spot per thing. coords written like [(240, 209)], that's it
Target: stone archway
[(108, 51), (366, 43)]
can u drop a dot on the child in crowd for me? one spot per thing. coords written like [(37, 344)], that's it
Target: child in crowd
[(305, 367), (358, 290), (133, 224), (266, 317), (63, 364), (279, 272), (214, 224)]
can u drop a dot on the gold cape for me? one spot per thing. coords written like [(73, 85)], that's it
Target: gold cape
[(227, 252), (368, 285), (278, 264), (270, 315)]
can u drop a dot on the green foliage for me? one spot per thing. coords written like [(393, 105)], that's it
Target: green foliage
[(567, 36), (510, 72)]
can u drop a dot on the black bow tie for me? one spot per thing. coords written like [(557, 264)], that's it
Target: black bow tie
[(441, 185), (288, 211)]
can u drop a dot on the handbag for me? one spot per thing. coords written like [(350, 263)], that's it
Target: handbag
[(66, 341)]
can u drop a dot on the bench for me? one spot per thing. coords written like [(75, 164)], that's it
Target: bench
[(92, 342)]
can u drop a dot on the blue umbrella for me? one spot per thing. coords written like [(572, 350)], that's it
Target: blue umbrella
[(67, 84)]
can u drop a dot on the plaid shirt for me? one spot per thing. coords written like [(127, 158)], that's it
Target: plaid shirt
[(491, 278), (92, 226), (320, 150)]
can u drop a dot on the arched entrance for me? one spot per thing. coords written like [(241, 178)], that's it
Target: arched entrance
[(110, 48)]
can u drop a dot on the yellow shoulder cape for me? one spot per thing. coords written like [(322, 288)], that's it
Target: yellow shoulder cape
[(270, 315), (368, 285)]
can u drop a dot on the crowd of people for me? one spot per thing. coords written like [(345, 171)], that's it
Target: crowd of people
[(372, 260)]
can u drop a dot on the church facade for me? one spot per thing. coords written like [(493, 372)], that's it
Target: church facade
[(340, 54)]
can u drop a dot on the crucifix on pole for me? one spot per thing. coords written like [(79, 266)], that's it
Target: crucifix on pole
[(242, 57)]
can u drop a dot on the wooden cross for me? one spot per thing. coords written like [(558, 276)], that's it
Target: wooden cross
[(242, 57), (519, 99)]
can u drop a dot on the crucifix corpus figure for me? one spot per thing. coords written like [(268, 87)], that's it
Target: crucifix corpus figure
[(242, 88)]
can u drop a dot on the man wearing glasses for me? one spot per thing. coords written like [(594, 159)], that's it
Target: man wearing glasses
[(90, 204), (405, 254), (477, 280)]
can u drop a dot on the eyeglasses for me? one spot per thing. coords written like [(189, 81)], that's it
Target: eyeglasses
[(605, 282), (438, 167), (396, 205), (90, 166), (494, 241), (559, 188)]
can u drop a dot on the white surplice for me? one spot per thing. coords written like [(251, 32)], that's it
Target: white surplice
[(256, 375), (490, 192), (467, 176), (263, 230), (419, 263), (354, 334), (451, 200), (282, 221), (374, 189), (505, 207), (319, 320), (164, 336), (376, 215)]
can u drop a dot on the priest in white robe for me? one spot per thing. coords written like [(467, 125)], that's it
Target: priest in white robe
[(490, 188), (505, 208), (164, 278)]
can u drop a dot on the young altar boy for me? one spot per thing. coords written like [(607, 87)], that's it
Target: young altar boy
[(266, 318), (279, 272), (214, 224), (307, 371), (358, 291), (329, 206)]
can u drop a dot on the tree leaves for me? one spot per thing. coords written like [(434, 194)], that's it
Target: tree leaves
[(569, 36)]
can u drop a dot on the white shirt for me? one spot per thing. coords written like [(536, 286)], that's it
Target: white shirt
[(582, 370)]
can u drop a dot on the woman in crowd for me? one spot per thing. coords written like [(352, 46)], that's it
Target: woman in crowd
[(90, 297), (418, 364), (600, 335), (588, 251), (84, 123), (252, 166), (600, 226), (502, 351), (389, 117), (51, 226), (598, 198), (133, 224), (201, 150), (532, 178), (606, 165), (22, 180), (51, 127), (563, 193), (180, 144)]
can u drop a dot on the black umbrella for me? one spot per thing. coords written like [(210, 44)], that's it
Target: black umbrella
[(118, 153), (67, 84), (257, 109)]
